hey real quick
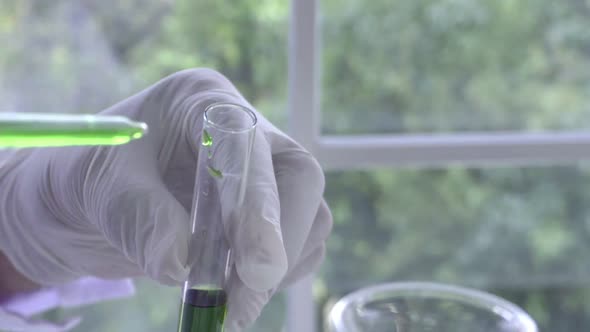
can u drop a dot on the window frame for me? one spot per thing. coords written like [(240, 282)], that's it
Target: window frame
[(470, 149)]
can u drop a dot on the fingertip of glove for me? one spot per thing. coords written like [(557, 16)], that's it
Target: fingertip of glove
[(261, 276), (245, 306), (167, 264), (261, 263), (167, 252), (234, 326), (170, 273)]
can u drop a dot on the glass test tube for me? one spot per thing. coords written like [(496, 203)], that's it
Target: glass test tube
[(220, 187), (24, 130)]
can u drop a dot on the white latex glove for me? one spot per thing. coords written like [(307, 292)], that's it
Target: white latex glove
[(116, 212)]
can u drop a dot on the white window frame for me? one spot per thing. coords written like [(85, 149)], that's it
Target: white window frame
[(394, 151)]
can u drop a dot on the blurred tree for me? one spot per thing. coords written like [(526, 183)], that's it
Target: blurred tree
[(454, 65), (244, 40)]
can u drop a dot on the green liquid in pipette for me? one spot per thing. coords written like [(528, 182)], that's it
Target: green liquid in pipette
[(35, 138), (41, 130)]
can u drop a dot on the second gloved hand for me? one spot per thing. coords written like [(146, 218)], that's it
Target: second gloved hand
[(116, 212)]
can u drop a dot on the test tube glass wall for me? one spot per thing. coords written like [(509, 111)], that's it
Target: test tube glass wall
[(220, 187), (422, 307)]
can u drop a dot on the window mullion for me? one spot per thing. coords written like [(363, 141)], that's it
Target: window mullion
[(303, 73), (471, 150)]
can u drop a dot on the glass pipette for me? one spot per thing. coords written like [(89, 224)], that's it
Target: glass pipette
[(24, 130)]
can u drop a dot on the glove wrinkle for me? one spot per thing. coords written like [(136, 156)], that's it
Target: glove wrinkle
[(50, 193)]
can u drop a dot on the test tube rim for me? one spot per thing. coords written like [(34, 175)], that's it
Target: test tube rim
[(243, 108)]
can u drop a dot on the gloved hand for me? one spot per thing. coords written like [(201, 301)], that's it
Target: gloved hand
[(116, 212)]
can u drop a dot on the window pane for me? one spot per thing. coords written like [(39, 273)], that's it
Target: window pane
[(81, 56), (399, 66), (522, 233)]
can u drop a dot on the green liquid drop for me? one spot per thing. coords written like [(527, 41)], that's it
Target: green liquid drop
[(207, 139), (203, 311), (214, 173)]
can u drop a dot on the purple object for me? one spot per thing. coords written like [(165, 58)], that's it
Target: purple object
[(16, 312)]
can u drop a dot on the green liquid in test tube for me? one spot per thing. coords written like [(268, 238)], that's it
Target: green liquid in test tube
[(25, 130)]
